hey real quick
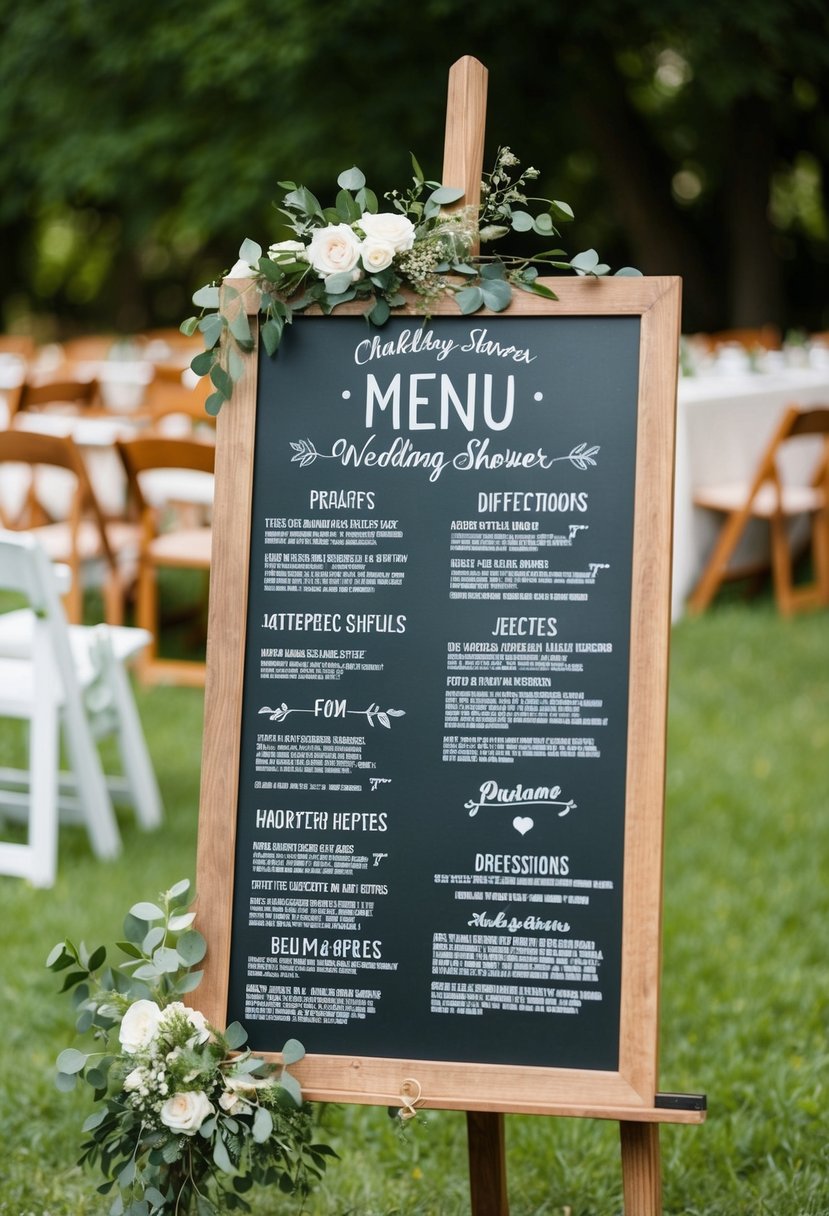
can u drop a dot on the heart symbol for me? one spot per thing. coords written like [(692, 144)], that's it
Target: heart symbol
[(523, 824)]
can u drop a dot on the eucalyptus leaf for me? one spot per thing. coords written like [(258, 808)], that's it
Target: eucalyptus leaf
[(339, 282), (351, 179), (191, 947), (497, 294), (211, 327), (189, 327), (147, 972), (584, 262), (469, 300), (166, 960), (291, 1085), (221, 381), (94, 1120), (154, 938), (71, 1060), (380, 313), (240, 327), (271, 334), (493, 270), (202, 363), (207, 297), (522, 221), (444, 195), (347, 207), (188, 982), (543, 224), (292, 1052), (628, 272), (214, 403), (147, 912), (250, 251), (177, 923), (367, 200), (262, 1125), (221, 1156), (66, 1081), (236, 1035)]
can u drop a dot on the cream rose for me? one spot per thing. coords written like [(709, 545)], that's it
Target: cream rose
[(184, 1113), (389, 226), (377, 254), (287, 251), (139, 1025), (334, 249)]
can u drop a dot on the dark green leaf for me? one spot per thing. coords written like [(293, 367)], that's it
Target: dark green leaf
[(347, 208), (563, 210), (418, 172), (223, 383), (380, 313), (337, 283), (493, 270), (540, 289), (214, 403), (189, 327), (134, 929), (367, 200), (202, 363), (73, 978), (188, 982), (94, 1120), (289, 1083), (61, 956), (272, 335), (128, 948)]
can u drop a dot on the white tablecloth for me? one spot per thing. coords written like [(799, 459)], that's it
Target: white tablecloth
[(723, 425)]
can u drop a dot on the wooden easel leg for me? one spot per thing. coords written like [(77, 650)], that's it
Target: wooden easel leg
[(487, 1164), (641, 1176)]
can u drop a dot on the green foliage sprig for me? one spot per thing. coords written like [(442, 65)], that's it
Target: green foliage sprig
[(353, 251), (186, 1119)]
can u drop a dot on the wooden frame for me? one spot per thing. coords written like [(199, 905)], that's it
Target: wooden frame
[(628, 1094)]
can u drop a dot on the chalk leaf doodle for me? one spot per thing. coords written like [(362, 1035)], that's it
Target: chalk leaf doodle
[(306, 453), (582, 456)]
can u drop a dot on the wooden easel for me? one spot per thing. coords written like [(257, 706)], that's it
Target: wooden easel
[(641, 1177)]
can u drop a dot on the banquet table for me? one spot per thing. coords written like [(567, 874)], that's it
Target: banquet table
[(724, 422)]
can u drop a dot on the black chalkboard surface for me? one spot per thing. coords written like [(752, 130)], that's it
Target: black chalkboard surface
[(430, 830), (431, 810)]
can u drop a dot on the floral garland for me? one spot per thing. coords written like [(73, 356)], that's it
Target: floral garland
[(355, 251), (187, 1120)]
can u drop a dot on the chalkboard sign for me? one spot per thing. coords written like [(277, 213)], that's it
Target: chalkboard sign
[(430, 838)]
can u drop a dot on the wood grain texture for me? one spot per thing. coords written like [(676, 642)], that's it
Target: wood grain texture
[(463, 147), (641, 1175), (487, 1164)]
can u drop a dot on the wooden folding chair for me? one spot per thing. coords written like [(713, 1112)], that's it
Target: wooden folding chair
[(166, 477), (83, 538), (67, 680), (769, 497), (79, 395)]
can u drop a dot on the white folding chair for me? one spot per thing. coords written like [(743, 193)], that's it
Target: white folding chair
[(70, 678)]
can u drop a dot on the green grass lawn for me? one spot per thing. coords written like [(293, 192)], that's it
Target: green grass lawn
[(745, 990)]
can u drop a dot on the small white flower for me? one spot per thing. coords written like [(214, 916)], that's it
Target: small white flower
[(199, 1023), (334, 249), (133, 1080), (241, 270), (287, 251), (376, 253), (398, 230), (139, 1026), (185, 1112)]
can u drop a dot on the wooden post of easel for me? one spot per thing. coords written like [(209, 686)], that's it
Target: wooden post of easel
[(641, 1179), (463, 160)]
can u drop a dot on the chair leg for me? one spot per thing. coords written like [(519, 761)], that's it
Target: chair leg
[(781, 565), (132, 746), (43, 795), (820, 554), (712, 576), (147, 615), (91, 783)]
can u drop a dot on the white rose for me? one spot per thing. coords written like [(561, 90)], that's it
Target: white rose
[(287, 251), (389, 226), (241, 270), (185, 1113), (334, 249), (233, 1103), (133, 1080), (376, 253), (139, 1025)]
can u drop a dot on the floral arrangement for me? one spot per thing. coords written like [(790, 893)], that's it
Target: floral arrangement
[(355, 251), (187, 1120)]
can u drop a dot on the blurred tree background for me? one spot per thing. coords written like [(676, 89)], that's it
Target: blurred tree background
[(139, 143)]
